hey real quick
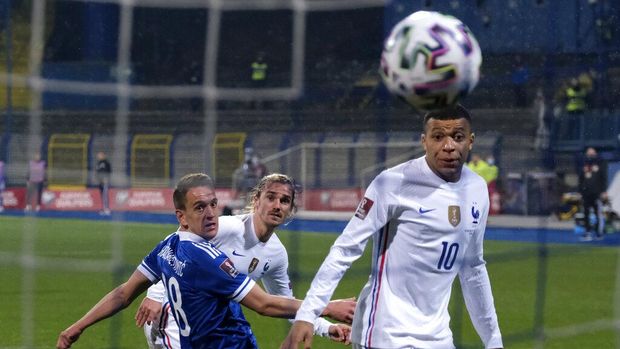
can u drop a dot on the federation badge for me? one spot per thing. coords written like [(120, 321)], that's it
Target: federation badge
[(253, 265), (475, 213), (363, 208), (229, 267), (454, 215)]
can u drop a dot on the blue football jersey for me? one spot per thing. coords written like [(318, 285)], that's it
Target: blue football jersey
[(203, 288)]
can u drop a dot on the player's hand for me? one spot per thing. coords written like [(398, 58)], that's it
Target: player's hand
[(341, 310), (340, 333), (68, 337), (301, 331), (149, 311)]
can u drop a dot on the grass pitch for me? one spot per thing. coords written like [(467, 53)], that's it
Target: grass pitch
[(575, 284)]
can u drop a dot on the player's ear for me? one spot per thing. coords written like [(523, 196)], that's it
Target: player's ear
[(423, 141), (181, 218), (471, 140)]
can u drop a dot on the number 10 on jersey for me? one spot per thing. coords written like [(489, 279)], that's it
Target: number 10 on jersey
[(448, 255)]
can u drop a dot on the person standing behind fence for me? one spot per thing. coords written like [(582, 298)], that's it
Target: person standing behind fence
[(593, 188), (103, 173), (36, 181), (2, 185), (259, 77)]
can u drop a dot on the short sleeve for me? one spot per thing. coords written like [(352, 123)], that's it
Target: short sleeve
[(149, 266)]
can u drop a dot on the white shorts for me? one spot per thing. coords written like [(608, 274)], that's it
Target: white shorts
[(164, 333)]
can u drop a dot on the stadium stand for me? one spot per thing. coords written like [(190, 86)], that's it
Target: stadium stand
[(188, 151), (399, 144), (17, 164), (303, 162), (266, 143), (368, 156), (336, 161)]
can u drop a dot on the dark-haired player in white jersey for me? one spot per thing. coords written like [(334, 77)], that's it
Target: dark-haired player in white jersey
[(251, 243), (202, 282), (427, 219)]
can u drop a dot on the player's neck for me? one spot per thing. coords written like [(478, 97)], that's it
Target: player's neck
[(262, 230)]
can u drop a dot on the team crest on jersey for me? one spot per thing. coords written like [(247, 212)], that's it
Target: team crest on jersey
[(229, 268), (363, 208), (475, 213), (454, 215), (253, 265)]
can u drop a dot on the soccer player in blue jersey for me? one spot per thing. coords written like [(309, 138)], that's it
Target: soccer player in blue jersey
[(251, 242), (202, 283)]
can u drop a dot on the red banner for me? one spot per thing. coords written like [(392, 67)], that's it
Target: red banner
[(141, 200), (160, 200), (71, 200), (345, 200), (153, 199), (14, 198)]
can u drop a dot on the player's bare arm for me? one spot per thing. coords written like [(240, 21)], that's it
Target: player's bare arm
[(110, 304), (284, 307), (149, 311), (301, 332), (270, 305)]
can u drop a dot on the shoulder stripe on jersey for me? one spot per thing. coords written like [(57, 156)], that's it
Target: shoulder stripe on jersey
[(241, 288), (211, 251), (376, 287)]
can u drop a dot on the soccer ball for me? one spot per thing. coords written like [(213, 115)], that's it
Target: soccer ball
[(431, 60)]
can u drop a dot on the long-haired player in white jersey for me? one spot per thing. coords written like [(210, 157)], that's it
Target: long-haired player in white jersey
[(427, 219), (251, 243)]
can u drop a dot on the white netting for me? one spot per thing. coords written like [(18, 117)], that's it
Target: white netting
[(211, 93), (124, 90)]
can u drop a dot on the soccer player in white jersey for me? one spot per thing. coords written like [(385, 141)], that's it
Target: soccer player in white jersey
[(427, 219), (251, 243), (202, 282)]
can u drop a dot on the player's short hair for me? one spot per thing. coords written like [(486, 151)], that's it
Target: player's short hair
[(255, 193), (186, 183), (454, 112)]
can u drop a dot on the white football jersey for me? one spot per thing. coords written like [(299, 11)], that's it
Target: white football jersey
[(425, 231), (264, 261)]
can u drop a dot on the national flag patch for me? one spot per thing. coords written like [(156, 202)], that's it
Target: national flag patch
[(363, 208), (229, 268)]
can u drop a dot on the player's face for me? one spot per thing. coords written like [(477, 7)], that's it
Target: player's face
[(447, 144), (200, 213), (274, 204)]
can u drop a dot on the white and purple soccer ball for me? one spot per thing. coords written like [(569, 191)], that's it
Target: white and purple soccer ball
[(431, 60)]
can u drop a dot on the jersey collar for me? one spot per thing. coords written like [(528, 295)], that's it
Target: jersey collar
[(250, 234), (188, 236), (440, 182)]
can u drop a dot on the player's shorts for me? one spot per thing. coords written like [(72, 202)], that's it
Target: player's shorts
[(163, 334)]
